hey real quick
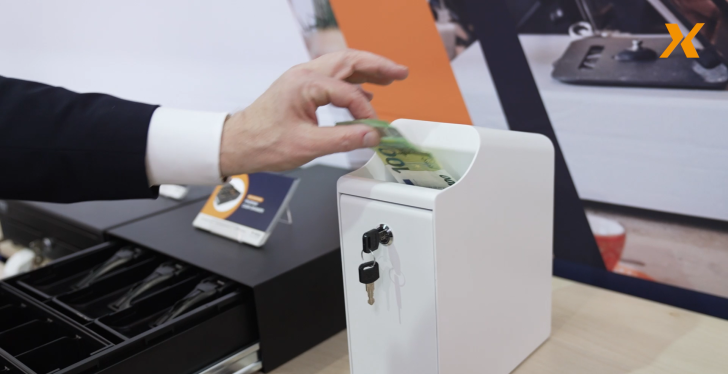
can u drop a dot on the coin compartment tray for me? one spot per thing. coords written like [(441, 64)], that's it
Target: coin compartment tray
[(29, 331), (49, 325)]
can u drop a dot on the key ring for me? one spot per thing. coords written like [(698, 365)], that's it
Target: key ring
[(374, 258)]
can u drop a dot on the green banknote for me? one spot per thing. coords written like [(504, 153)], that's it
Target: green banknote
[(407, 163)]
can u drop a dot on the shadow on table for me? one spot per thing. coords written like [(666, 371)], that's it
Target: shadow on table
[(329, 357), (603, 332)]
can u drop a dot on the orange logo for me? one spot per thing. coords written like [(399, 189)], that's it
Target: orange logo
[(686, 44)]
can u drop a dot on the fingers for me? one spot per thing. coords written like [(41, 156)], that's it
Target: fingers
[(323, 90), (326, 140), (319, 141), (358, 67), (366, 93)]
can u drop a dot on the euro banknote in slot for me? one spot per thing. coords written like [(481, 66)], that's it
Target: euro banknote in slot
[(406, 162)]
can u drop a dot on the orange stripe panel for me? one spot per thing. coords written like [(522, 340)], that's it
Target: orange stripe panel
[(405, 31)]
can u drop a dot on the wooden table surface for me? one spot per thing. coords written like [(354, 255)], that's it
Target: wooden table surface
[(595, 331)]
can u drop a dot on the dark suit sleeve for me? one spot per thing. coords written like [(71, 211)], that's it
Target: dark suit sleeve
[(61, 146)]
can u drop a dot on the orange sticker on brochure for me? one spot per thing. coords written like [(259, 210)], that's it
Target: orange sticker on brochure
[(234, 190), (247, 207)]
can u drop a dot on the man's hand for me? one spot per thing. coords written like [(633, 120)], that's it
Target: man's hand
[(279, 131)]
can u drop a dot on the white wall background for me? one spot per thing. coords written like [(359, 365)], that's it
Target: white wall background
[(651, 148), (215, 55), (204, 55)]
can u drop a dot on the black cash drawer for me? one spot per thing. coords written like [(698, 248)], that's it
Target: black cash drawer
[(296, 277), (81, 225), (120, 308), (288, 295)]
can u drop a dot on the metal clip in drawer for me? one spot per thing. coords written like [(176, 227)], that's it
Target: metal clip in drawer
[(243, 362)]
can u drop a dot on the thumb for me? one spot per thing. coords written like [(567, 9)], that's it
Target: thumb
[(328, 140)]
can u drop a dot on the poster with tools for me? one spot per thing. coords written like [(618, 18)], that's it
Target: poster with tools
[(647, 220)]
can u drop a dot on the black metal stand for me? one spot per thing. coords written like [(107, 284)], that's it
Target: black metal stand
[(524, 110), (597, 61)]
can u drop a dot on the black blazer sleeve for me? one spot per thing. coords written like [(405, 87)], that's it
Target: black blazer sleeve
[(61, 146)]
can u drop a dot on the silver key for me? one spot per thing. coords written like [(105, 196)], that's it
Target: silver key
[(368, 274), (370, 293)]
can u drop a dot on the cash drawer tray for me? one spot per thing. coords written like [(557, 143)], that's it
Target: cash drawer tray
[(119, 308)]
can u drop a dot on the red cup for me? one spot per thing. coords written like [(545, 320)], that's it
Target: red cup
[(610, 236)]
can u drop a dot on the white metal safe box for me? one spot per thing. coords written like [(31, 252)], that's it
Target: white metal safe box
[(465, 283)]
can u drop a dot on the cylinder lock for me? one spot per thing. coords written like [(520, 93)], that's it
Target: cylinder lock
[(374, 237)]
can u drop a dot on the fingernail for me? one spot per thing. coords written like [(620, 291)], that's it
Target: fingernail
[(371, 139)]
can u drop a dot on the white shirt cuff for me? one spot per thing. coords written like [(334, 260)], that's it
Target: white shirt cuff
[(183, 147)]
